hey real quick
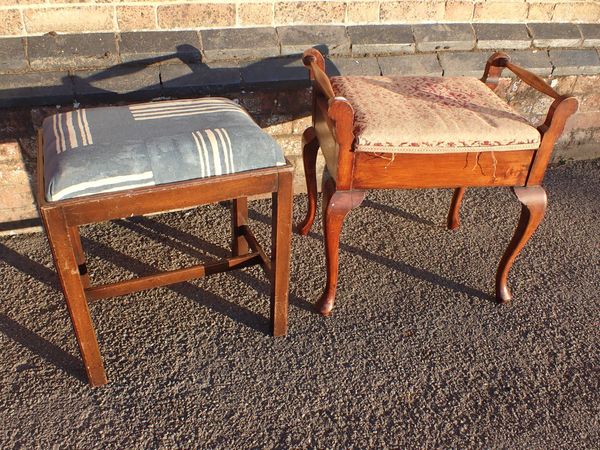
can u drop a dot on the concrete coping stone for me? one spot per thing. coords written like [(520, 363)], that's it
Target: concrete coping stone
[(67, 51), (590, 33), (410, 65), (329, 39), (117, 81), (275, 73), (239, 43), (165, 47), (381, 39), (536, 61), (496, 36), (348, 66), (575, 62), (555, 34), (36, 89), (439, 37), (12, 54), (469, 64)]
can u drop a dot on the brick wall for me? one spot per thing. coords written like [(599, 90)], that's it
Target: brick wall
[(34, 17)]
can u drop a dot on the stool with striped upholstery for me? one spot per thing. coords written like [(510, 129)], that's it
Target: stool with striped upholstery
[(99, 164)]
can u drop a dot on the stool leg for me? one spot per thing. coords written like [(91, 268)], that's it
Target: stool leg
[(336, 205), (79, 256), (281, 232), (310, 147), (239, 217), (533, 207), (65, 260), (454, 214)]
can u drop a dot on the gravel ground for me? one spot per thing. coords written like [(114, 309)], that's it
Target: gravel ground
[(416, 355)]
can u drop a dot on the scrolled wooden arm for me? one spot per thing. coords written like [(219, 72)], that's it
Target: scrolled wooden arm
[(561, 109), (493, 69), (499, 60), (315, 62)]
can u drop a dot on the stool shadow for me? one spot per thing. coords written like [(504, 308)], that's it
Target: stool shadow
[(185, 289), (42, 347), (396, 212), (27, 338), (399, 266), (199, 248)]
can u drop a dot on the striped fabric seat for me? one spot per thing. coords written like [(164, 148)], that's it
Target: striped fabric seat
[(96, 150)]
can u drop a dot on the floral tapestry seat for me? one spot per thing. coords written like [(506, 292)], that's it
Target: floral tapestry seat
[(432, 115)]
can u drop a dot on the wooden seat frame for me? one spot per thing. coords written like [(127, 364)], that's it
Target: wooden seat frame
[(63, 218), (351, 173)]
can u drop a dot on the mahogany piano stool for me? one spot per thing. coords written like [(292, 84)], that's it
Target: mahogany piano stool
[(425, 132)]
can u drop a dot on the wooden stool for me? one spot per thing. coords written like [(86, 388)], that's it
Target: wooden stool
[(107, 163), (425, 132)]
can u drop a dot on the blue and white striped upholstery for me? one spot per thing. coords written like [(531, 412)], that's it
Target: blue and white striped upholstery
[(90, 151)]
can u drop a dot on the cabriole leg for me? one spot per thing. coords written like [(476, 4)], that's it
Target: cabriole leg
[(310, 147), (454, 214), (534, 201), (336, 206)]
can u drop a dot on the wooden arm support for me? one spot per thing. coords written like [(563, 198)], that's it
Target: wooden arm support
[(560, 110), (339, 111)]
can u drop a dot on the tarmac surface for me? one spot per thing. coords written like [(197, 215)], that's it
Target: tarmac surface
[(416, 355)]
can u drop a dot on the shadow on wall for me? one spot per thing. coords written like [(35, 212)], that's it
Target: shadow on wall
[(274, 90), (180, 74)]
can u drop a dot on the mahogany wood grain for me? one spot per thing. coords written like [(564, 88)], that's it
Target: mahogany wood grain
[(239, 218), (560, 111), (336, 206), (310, 147), (281, 234), (453, 221), (493, 69), (534, 201), (313, 59), (342, 115), (70, 280), (167, 197), (448, 170), (79, 255), (170, 277), (256, 248)]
